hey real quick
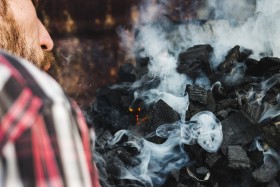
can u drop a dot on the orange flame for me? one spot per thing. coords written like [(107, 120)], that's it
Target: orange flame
[(130, 109), (142, 120), (136, 112)]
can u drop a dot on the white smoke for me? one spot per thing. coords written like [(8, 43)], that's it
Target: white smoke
[(208, 130), (257, 94), (203, 128), (163, 66), (156, 160), (268, 7), (234, 11), (271, 111), (248, 23), (236, 75), (152, 40), (267, 151), (203, 81)]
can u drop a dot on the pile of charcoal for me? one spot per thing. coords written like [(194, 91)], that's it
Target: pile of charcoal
[(243, 95)]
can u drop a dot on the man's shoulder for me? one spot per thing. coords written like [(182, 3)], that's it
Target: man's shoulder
[(28, 75), (14, 66)]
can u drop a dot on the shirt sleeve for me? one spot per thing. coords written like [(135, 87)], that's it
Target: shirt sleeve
[(44, 140)]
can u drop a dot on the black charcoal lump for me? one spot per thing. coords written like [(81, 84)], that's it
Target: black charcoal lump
[(267, 172), (195, 60), (238, 130), (237, 157), (212, 159), (231, 58), (161, 113), (197, 93), (267, 65)]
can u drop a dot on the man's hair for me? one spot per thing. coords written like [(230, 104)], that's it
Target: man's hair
[(3, 7)]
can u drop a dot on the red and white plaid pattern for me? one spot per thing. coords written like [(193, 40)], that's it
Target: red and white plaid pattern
[(44, 140)]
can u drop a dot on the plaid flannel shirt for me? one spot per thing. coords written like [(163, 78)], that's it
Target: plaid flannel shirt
[(44, 140)]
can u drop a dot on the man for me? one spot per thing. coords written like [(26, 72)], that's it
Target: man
[(23, 34), (44, 140)]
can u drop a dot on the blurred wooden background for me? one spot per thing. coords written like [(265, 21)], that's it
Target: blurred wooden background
[(86, 16), (86, 42)]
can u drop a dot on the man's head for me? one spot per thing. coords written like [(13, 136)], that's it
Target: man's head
[(23, 34)]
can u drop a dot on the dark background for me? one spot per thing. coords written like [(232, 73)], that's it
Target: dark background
[(85, 16), (86, 42)]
